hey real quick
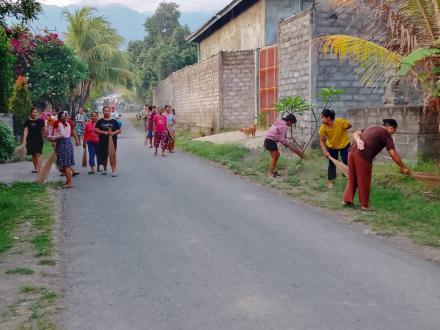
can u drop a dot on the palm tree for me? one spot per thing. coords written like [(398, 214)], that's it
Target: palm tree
[(409, 43), (97, 44)]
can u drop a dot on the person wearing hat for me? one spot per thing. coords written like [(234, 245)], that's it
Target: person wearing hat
[(277, 134), (368, 143)]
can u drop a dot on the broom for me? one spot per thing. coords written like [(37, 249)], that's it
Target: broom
[(339, 165), (429, 179), (296, 148), (20, 151), (111, 152), (84, 159), (44, 171)]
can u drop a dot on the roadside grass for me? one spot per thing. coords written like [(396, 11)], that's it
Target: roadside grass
[(25, 218), (229, 155), (47, 262), (21, 202), (20, 270), (401, 204)]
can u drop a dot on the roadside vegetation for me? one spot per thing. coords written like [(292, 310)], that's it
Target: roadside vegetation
[(27, 268), (402, 204)]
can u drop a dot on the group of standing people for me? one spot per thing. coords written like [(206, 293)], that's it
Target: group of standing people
[(60, 129), (160, 127), (335, 141)]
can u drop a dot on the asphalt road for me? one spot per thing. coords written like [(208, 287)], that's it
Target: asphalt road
[(175, 243)]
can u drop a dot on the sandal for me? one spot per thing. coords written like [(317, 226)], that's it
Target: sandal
[(91, 172), (67, 186), (34, 171)]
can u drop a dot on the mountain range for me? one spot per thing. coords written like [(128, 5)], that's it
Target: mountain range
[(128, 22)]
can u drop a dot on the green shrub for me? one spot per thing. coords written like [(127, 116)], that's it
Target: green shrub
[(7, 143)]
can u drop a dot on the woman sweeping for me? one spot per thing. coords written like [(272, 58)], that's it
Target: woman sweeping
[(64, 148), (107, 128), (368, 143), (91, 140), (277, 134), (34, 131), (334, 140)]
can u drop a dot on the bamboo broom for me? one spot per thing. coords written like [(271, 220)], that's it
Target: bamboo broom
[(20, 151), (296, 149), (44, 171), (339, 165), (84, 158), (429, 179), (111, 152)]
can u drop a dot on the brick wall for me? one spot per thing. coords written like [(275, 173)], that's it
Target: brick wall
[(418, 133), (238, 89), (218, 92)]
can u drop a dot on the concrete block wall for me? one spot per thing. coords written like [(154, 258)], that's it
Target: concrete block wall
[(418, 134), (164, 93), (238, 89), (194, 94), (332, 72), (294, 66), (218, 92)]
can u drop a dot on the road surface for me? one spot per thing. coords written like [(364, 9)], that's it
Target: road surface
[(176, 243)]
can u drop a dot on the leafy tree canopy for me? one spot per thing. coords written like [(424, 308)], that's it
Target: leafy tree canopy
[(7, 61), (22, 10), (163, 50)]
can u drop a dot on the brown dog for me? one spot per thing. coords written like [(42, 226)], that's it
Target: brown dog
[(249, 131)]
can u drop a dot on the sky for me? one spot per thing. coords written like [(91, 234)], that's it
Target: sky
[(149, 5)]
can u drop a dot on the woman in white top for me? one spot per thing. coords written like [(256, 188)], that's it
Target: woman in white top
[(64, 148)]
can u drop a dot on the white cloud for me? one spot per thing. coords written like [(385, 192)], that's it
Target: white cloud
[(142, 5)]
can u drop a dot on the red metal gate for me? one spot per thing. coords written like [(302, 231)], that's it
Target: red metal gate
[(268, 90)]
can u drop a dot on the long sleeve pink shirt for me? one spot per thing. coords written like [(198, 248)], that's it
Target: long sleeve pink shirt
[(278, 131), (63, 131)]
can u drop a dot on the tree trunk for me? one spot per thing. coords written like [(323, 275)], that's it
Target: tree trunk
[(85, 92)]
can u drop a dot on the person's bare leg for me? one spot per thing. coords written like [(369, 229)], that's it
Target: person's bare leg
[(38, 162), (35, 162), (68, 172), (273, 162)]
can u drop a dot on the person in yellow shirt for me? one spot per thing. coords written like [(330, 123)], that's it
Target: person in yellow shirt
[(334, 140)]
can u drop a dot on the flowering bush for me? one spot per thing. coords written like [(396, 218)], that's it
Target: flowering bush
[(23, 46), (51, 67)]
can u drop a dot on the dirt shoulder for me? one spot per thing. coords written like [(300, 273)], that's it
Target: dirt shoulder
[(31, 271)]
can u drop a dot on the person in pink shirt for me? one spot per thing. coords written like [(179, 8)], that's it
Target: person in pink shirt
[(277, 134), (91, 140), (160, 131)]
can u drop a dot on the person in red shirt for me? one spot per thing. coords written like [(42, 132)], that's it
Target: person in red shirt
[(160, 131), (91, 140), (368, 143)]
